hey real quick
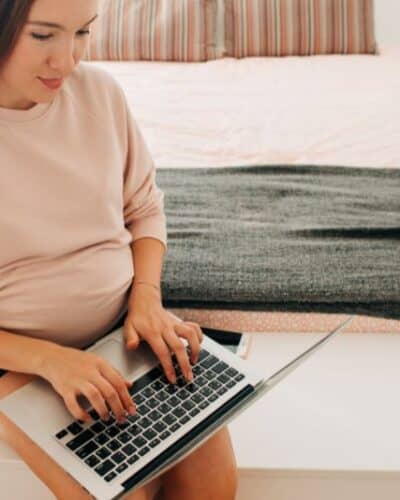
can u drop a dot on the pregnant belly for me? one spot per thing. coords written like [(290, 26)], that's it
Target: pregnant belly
[(71, 300)]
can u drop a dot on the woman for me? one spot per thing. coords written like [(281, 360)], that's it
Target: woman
[(80, 215)]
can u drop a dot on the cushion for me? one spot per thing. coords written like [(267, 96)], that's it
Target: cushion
[(298, 27), (154, 30)]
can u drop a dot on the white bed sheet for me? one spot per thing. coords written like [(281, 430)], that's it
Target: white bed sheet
[(323, 110)]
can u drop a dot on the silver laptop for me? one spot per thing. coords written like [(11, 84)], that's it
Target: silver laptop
[(110, 460)]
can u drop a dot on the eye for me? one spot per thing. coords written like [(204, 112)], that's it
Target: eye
[(41, 37), (37, 36)]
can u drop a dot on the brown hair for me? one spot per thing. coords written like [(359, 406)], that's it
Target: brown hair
[(13, 15)]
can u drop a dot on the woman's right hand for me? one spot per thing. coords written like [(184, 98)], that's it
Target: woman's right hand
[(73, 372)]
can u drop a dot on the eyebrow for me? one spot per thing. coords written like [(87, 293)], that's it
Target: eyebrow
[(55, 25)]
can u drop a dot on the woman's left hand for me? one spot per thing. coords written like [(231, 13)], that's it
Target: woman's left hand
[(148, 320)]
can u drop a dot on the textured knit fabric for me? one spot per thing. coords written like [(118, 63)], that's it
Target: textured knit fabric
[(154, 30), (77, 186), (298, 27)]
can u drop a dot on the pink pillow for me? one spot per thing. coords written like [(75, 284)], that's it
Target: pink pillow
[(298, 27), (154, 30)]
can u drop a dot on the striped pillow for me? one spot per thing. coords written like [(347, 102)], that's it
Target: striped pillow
[(298, 27), (153, 30)]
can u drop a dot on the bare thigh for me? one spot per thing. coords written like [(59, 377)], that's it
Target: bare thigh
[(62, 485)]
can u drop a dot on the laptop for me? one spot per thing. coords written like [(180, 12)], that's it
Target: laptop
[(111, 460)]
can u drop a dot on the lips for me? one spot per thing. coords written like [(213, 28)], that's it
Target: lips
[(52, 83)]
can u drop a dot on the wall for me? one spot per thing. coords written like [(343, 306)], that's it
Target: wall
[(387, 20)]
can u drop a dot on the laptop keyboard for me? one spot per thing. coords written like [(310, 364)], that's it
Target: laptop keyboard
[(109, 448)]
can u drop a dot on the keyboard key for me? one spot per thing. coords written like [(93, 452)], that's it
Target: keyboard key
[(213, 397), (184, 419), (215, 384), (103, 452), (154, 415), (194, 412), (222, 390), (154, 443), (157, 385), (143, 409), (124, 437), (224, 378), (204, 404), (169, 419), (134, 430), (81, 439), (92, 461), (61, 434), (149, 434), (148, 392), (183, 394), (134, 458), (75, 428), (153, 403), (231, 384), (110, 476), (87, 449), (97, 427), (162, 396), (174, 401), (93, 413), (121, 468), (197, 398), (175, 426), (220, 367), (144, 450), (239, 377), (188, 405), (231, 372), (209, 361), (205, 391), (165, 408), (113, 431), (104, 467), (164, 435), (145, 422), (129, 449), (139, 441), (139, 398), (118, 457), (202, 355), (178, 412), (114, 445), (159, 426), (102, 438)]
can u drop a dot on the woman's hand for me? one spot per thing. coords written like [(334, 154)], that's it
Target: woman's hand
[(72, 372), (148, 320)]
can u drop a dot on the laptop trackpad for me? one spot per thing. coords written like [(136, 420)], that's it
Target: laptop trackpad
[(129, 363)]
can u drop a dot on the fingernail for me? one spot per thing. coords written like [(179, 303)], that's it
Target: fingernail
[(172, 379), (132, 410), (189, 375)]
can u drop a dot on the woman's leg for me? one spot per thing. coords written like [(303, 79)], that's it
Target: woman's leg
[(62, 485), (209, 473)]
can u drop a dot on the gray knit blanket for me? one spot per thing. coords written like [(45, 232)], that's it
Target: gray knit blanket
[(292, 238)]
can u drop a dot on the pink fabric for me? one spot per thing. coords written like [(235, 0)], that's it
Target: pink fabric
[(320, 110), (77, 186)]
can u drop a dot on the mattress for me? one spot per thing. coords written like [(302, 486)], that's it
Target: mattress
[(321, 110)]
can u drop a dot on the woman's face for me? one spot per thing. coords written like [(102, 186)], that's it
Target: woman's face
[(51, 44)]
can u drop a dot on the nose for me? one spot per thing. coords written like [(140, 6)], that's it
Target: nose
[(62, 59)]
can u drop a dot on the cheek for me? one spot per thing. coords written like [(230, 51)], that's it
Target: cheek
[(27, 57)]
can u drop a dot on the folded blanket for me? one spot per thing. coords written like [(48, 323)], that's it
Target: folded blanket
[(298, 238)]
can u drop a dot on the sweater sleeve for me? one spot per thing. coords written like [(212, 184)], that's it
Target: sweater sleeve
[(143, 201)]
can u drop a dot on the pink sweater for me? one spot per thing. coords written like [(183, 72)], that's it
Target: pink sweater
[(77, 185)]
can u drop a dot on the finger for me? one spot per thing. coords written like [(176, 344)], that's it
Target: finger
[(190, 334), (132, 339), (162, 352), (75, 409), (198, 330), (181, 354), (92, 393), (110, 387), (118, 383)]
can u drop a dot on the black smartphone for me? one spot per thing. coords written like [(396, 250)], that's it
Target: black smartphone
[(236, 342)]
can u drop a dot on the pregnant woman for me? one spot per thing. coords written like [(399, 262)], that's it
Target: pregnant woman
[(82, 241)]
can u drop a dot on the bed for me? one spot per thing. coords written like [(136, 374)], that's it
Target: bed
[(302, 150)]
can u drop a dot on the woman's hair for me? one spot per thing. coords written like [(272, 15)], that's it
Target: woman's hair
[(13, 15)]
